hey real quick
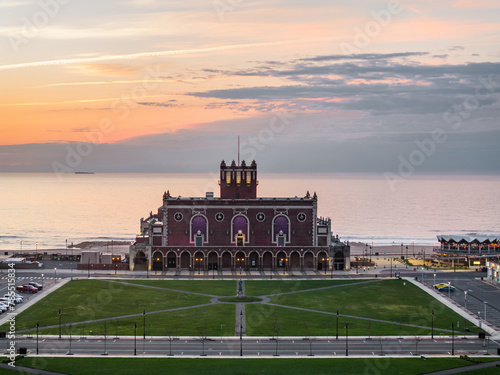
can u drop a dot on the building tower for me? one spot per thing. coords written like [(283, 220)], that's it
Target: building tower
[(238, 181)]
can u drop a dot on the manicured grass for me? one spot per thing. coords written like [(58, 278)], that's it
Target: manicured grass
[(390, 300), (276, 366), (81, 300), (191, 322), (212, 287), (261, 320), (266, 287)]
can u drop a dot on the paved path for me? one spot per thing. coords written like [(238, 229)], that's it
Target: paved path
[(27, 370), (458, 370)]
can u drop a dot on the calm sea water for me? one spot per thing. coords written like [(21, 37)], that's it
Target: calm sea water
[(41, 208)]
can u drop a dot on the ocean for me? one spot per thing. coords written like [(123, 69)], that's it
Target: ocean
[(43, 211)]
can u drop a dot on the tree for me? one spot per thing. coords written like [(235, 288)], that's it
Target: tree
[(416, 340)]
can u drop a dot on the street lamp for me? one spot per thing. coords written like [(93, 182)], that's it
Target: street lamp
[(337, 334), (69, 353), (37, 325), (346, 339), (55, 272), (485, 310), (135, 338), (59, 323), (241, 333), (422, 275), (465, 299), (144, 322), (88, 269), (449, 289), (452, 338), (42, 280), (434, 279), (432, 329)]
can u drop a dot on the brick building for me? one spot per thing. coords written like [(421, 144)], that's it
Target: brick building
[(237, 230)]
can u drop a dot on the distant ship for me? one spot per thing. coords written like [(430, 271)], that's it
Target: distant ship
[(84, 172)]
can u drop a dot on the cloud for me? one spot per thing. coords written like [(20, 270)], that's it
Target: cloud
[(138, 55), (157, 104)]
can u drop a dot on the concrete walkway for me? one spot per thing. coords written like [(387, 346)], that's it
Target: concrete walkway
[(27, 370), (459, 370)]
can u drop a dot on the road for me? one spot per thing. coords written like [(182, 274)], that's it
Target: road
[(257, 347)]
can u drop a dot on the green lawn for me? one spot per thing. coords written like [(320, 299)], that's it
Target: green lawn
[(191, 322), (82, 300), (212, 287), (390, 300), (275, 366), (261, 321), (267, 287)]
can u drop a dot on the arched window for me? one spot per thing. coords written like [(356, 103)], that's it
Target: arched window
[(240, 228), (281, 226), (198, 227)]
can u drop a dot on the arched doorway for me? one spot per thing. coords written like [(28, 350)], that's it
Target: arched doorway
[(267, 260), (239, 260), (281, 260), (213, 261), (226, 260), (157, 261), (199, 261), (322, 261), (254, 260), (339, 260), (185, 260), (140, 261), (171, 260), (308, 260), (294, 260)]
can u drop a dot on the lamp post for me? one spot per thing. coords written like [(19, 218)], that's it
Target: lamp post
[(42, 280), (88, 269), (413, 247), (37, 325), (69, 353), (55, 272), (59, 323), (401, 250), (337, 334), (135, 338), (452, 338), (434, 279), (144, 322), (449, 289), (241, 333), (432, 326), (347, 339), (422, 275), (465, 299), (485, 310)]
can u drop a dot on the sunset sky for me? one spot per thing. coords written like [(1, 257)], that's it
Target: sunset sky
[(309, 86)]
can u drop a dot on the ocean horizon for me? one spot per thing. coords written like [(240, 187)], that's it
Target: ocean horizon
[(43, 211)]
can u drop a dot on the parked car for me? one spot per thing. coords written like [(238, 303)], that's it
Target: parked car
[(36, 285), (3, 307), (440, 285), (26, 289), (17, 297), (8, 301), (447, 288)]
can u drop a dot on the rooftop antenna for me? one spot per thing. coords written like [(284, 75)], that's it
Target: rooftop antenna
[(238, 150)]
